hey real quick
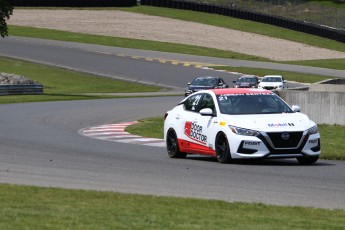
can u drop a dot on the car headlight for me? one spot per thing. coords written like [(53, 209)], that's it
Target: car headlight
[(313, 130), (243, 131)]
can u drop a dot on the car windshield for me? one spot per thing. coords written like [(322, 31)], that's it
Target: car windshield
[(204, 82), (237, 104), (246, 79), (272, 79)]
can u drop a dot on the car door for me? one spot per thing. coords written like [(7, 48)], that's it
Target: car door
[(200, 130), (284, 83), (187, 119), (222, 84)]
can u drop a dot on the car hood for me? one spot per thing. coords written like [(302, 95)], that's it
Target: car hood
[(271, 122), (270, 83), (244, 83), (198, 87)]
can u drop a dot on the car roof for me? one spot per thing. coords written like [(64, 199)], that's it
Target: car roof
[(248, 76), (206, 77), (280, 76), (240, 91)]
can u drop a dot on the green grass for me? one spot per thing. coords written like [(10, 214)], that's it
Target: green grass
[(332, 144), (239, 24), (205, 18), (25, 31), (329, 3), (62, 84), (330, 64), (27, 207), (149, 127), (290, 76), (252, 27)]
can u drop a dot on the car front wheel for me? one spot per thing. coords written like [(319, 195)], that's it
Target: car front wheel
[(172, 146), (222, 149)]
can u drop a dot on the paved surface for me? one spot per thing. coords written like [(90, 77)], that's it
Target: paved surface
[(147, 63), (41, 144)]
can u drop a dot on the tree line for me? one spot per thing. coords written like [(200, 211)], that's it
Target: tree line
[(6, 10)]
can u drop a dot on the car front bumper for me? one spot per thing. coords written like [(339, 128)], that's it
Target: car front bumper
[(263, 147)]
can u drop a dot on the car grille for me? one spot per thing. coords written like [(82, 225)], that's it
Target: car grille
[(294, 138), (269, 87)]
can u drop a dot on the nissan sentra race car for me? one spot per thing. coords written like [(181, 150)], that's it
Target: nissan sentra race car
[(235, 123)]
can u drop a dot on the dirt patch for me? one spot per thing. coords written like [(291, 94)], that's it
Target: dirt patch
[(131, 25)]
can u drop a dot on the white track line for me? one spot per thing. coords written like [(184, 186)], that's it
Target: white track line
[(117, 133)]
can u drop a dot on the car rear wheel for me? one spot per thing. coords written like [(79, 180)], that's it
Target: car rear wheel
[(222, 149), (172, 146), (307, 160)]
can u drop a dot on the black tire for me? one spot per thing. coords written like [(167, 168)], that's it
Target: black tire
[(307, 160), (172, 146), (222, 149)]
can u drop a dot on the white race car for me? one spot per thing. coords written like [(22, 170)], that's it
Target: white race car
[(236, 123)]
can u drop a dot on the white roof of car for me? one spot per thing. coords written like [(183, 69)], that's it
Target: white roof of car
[(280, 76)]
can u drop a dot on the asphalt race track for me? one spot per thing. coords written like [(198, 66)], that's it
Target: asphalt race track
[(41, 145)]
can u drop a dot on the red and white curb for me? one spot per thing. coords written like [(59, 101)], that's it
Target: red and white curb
[(117, 133)]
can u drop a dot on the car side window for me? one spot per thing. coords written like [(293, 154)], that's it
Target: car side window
[(192, 103), (207, 102)]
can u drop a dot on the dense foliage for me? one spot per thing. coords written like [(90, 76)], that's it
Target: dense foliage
[(5, 12)]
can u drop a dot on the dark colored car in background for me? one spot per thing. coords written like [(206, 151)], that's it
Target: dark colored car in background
[(205, 82), (246, 81)]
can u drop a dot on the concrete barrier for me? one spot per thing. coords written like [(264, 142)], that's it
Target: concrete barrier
[(323, 107)]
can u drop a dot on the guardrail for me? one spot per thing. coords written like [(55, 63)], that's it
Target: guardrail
[(21, 89), (74, 3)]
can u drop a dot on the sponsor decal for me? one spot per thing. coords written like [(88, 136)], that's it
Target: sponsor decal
[(194, 131), (280, 124), (251, 143), (222, 123), (190, 147), (255, 92)]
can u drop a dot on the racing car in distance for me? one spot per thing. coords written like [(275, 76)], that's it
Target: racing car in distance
[(240, 123), (205, 82), (246, 81), (272, 82)]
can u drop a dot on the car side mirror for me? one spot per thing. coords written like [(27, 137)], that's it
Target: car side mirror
[(220, 83), (296, 108), (188, 83), (206, 112), (284, 81), (233, 81)]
